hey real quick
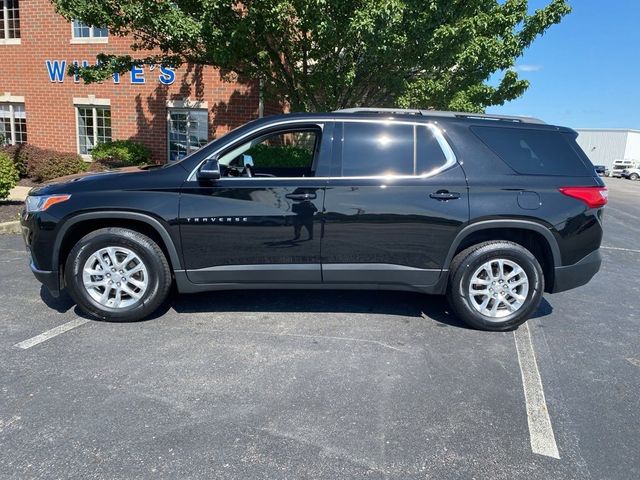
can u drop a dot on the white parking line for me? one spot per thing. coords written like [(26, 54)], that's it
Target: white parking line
[(543, 441), (65, 327), (621, 249)]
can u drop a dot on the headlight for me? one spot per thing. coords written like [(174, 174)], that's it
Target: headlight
[(40, 203)]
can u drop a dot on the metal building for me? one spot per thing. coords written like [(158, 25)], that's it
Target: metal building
[(603, 146)]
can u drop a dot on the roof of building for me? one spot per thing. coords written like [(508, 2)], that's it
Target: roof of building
[(627, 130)]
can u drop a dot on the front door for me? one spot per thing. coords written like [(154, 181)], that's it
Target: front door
[(393, 204), (260, 222)]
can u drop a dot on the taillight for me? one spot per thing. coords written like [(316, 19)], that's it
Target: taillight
[(594, 197)]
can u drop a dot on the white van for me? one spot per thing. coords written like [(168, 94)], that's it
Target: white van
[(620, 165)]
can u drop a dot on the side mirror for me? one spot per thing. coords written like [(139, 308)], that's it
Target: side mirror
[(210, 170)]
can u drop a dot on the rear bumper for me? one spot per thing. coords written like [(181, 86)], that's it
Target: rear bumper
[(578, 274), (48, 279)]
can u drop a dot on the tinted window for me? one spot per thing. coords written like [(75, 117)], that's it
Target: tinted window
[(429, 154), (281, 154), (535, 152), (377, 149)]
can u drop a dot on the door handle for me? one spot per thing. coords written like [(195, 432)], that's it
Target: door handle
[(444, 195), (301, 196)]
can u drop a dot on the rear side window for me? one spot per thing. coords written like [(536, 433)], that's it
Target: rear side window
[(374, 149), (370, 149), (535, 152)]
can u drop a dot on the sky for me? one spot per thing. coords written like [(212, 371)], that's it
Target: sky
[(585, 71)]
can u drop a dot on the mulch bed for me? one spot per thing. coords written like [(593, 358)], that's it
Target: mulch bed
[(10, 210)]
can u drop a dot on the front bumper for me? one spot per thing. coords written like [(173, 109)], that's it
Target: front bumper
[(48, 279), (578, 274), (39, 245)]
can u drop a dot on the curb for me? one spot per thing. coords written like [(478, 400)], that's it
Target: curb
[(10, 227)]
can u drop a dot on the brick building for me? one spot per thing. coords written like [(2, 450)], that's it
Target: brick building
[(170, 111)]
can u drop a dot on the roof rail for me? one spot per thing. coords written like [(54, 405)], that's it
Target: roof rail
[(437, 113)]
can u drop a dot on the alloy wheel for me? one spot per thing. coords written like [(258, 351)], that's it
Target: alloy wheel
[(498, 288), (115, 277)]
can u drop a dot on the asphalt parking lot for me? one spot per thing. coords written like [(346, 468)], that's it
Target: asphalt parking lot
[(269, 385)]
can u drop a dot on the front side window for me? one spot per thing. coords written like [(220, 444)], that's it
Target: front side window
[(13, 123), (82, 30), (94, 126), (288, 153), (9, 19), (188, 131)]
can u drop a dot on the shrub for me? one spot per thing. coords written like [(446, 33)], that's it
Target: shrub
[(280, 156), (121, 153), (56, 165), (42, 164), (8, 175), (20, 155)]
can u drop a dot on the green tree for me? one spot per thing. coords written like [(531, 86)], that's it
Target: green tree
[(327, 54)]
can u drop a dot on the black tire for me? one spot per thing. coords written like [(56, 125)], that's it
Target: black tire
[(468, 261), (157, 268), (634, 176)]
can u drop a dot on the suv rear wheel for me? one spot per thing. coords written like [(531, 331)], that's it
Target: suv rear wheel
[(117, 274), (495, 285)]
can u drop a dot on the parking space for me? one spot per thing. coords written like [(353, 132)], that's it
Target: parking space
[(326, 384)]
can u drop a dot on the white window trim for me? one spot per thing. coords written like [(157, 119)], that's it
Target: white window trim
[(8, 98), (188, 104), (12, 116), (93, 103), (8, 41), (84, 40)]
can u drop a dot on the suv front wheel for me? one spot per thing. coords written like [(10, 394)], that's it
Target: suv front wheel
[(495, 285), (117, 274)]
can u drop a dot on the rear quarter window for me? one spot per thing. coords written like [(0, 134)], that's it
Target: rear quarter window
[(536, 152)]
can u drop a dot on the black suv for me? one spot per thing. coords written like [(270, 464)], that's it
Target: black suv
[(490, 210)]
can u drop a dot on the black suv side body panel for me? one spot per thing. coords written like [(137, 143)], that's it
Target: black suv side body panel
[(391, 230), (499, 196), (259, 229), (374, 232), (145, 196), (237, 230)]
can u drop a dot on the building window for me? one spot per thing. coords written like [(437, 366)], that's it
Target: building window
[(187, 131), (9, 20), (83, 32), (13, 123), (94, 126)]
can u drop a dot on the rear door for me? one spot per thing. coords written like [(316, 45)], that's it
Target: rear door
[(260, 224), (394, 202)]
